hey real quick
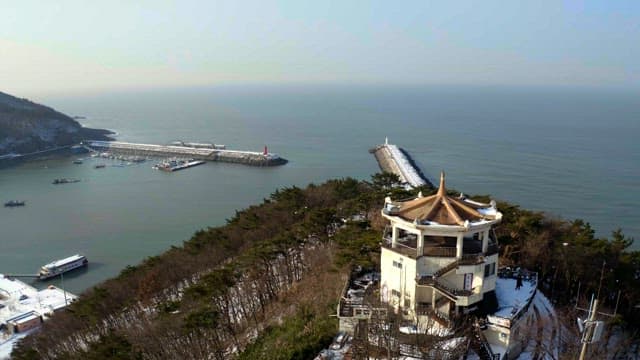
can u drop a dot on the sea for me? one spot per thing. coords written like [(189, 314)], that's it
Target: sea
[(572, 153)]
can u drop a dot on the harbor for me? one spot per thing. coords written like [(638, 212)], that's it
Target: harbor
[(201, 152), (395, 160)]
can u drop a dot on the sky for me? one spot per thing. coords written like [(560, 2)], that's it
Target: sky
[(67, 46)]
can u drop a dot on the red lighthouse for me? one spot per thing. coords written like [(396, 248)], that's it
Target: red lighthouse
[(265, 151)]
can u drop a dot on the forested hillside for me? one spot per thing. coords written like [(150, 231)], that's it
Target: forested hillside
[(28, 127), (264, 285)]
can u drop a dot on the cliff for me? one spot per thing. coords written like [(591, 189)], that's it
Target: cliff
[(27, 127)]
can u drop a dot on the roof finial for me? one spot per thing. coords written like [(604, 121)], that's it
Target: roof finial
[(442, 190)]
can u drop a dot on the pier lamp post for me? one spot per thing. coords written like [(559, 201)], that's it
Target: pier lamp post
[(63, 289)]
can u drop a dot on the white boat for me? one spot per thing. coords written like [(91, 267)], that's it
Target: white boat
[(175, 165), (58, 267)]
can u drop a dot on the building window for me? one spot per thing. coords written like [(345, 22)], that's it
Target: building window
[(397, 265), (395, 293), (489, 269)]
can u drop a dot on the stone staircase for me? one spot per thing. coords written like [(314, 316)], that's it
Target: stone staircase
[(480, 345)]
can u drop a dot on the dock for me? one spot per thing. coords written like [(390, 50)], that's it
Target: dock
[(253, 158), (395, 160)]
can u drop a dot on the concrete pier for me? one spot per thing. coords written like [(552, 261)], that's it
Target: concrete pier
[(222, 155), (397, 161)]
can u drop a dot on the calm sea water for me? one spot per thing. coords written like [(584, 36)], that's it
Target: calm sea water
[(571, 153)]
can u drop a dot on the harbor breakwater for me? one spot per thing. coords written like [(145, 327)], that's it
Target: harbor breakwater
[(252, 158), (396, 160)]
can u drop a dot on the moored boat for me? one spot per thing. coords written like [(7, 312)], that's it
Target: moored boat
[(175, 165), (14, 203), (64, 181), (58, 267)]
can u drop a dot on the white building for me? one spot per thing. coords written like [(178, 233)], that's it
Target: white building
[(440, 255), (439, 258)]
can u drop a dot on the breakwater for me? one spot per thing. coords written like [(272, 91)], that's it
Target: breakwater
[(397, 161), (231, 156)]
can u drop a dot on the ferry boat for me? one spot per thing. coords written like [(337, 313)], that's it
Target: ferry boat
[(175, 165), (14, 203), (58, 267)]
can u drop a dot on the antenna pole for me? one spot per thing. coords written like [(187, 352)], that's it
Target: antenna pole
[(592, 316)]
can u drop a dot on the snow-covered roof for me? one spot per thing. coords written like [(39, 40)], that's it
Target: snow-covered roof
[(511, 301), (19, 298), (11, 287)]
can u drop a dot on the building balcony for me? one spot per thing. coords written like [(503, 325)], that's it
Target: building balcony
[(401, 249), (443, 288), (471, 250)]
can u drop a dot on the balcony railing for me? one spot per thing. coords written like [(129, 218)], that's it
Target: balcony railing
[(439, 251), (408, 246), (423, 308), (402, 249), (431, 281)]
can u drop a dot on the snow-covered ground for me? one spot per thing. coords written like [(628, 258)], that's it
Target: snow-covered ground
[(6, 344), (545, 345)]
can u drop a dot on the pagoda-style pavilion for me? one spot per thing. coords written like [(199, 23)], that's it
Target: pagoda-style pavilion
[(439, 254)]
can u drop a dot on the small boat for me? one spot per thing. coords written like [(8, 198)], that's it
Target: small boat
[(58, 267), (77, 161), (100, 166), (175, 165), (14, 203), (64, 181)]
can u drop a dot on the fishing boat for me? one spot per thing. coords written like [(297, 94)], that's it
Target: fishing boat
[(58, 267), (14, 203), (64, 181)]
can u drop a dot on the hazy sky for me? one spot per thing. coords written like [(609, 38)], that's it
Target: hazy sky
[(74, 46)]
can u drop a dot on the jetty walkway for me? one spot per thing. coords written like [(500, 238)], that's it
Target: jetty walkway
[(395, 160), (207, 154)]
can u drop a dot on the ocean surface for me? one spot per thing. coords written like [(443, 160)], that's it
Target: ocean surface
[(571, 153)]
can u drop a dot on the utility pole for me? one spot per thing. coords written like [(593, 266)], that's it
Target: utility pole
[(585, 338)]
